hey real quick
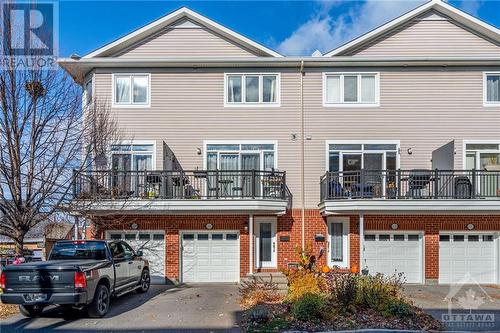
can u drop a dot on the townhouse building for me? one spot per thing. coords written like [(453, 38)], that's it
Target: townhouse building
[(381, 155)]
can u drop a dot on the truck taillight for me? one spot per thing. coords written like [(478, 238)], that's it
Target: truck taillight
[(80, 280), (3, 280)]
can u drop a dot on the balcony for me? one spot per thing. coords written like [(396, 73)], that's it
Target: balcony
[(406, 190), (181, 191)]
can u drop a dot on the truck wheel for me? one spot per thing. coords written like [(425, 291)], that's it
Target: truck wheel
[(100, 304), (145, 282), (30, 311)]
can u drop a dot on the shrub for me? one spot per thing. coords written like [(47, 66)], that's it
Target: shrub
[(399, 308), (257, 291), (308, 307), (307, 260), (376, 292), (343, 288), (302, 282), (259, 314)]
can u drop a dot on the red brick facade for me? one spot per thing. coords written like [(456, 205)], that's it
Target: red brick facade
[(290, 225)]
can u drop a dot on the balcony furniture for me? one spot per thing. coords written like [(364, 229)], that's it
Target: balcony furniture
[(418, 180), (463, 188), (169, 184), (225, 186)]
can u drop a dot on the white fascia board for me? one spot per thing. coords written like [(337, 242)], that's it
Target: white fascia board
[(431, 206), (440, 6), (159, 24), (170, 207)]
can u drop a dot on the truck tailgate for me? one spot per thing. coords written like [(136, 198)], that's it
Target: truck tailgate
[(26, 279)]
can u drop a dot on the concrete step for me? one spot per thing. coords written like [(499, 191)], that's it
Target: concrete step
[(277, 278)]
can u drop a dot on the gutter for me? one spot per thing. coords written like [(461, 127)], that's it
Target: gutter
[(302, 155)]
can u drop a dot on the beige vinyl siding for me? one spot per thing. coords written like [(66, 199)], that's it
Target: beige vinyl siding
[(184, 42), (431, 35), (423, 108), (188, 108)]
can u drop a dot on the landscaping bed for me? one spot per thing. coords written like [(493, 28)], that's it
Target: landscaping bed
[(324, 299), (7, 310)]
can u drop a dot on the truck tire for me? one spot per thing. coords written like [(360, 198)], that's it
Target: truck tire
[(100, 304), (30, 311), (144, 282)]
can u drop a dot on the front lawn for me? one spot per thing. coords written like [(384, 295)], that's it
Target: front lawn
[(321, 300)]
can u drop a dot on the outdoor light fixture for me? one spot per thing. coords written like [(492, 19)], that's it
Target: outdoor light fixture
[(470, 226), (134, 226), (209, 226), (394, 226), (198, 151), (410, 151)]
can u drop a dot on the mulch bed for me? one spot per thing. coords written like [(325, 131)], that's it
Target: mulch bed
[(7, 310), (281, 320)]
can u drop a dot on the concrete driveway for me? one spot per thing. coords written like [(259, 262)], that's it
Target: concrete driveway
[(461, 308), (203, 308)]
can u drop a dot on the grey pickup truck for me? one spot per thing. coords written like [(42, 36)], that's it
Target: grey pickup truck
[(82, 274)]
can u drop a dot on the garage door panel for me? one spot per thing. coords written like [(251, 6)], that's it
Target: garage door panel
[(393, 255), (216, 257), (469, 260)]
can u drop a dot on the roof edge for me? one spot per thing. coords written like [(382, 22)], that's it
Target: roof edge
[(164, 21), (460, 16)]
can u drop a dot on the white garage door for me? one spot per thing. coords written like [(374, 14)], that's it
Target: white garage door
[(210, 256), (390, 253), (467, 258), (152, 244)]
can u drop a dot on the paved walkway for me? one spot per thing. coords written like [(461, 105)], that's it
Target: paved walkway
[(465, 308)]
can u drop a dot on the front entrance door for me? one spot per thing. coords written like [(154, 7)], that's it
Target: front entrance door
[(265, 242)]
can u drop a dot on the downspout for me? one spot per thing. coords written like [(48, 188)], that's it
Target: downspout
[(302, 155)]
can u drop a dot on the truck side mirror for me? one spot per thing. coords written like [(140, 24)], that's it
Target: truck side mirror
[(139, 253)]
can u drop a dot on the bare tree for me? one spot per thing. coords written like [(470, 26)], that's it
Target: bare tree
[(45, 134)]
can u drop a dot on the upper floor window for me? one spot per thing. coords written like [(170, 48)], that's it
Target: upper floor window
[(132, 157), (344, 89), (492, 88), (87, 90), (131, 89), (252, 89)]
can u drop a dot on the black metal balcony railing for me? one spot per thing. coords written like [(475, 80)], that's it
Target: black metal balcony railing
[(411, 184), (217, 184)]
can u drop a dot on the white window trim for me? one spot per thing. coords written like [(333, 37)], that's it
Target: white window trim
[(389, 142), (466, 142), (253, 104), (131, 104), (85, 101), (485, 92), (239, 142), (352, 104), (345, 241), (136, 142)]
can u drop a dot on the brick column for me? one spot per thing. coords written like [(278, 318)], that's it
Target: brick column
[(431, 240)]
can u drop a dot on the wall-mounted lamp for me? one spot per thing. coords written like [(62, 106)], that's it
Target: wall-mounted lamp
[(409, 151), (293, 136), (198, 151), (470, 226), (394, 226), (134, 226)]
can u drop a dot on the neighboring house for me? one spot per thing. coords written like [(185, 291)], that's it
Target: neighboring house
[(57, 231), (39, 240), (389, 145)]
